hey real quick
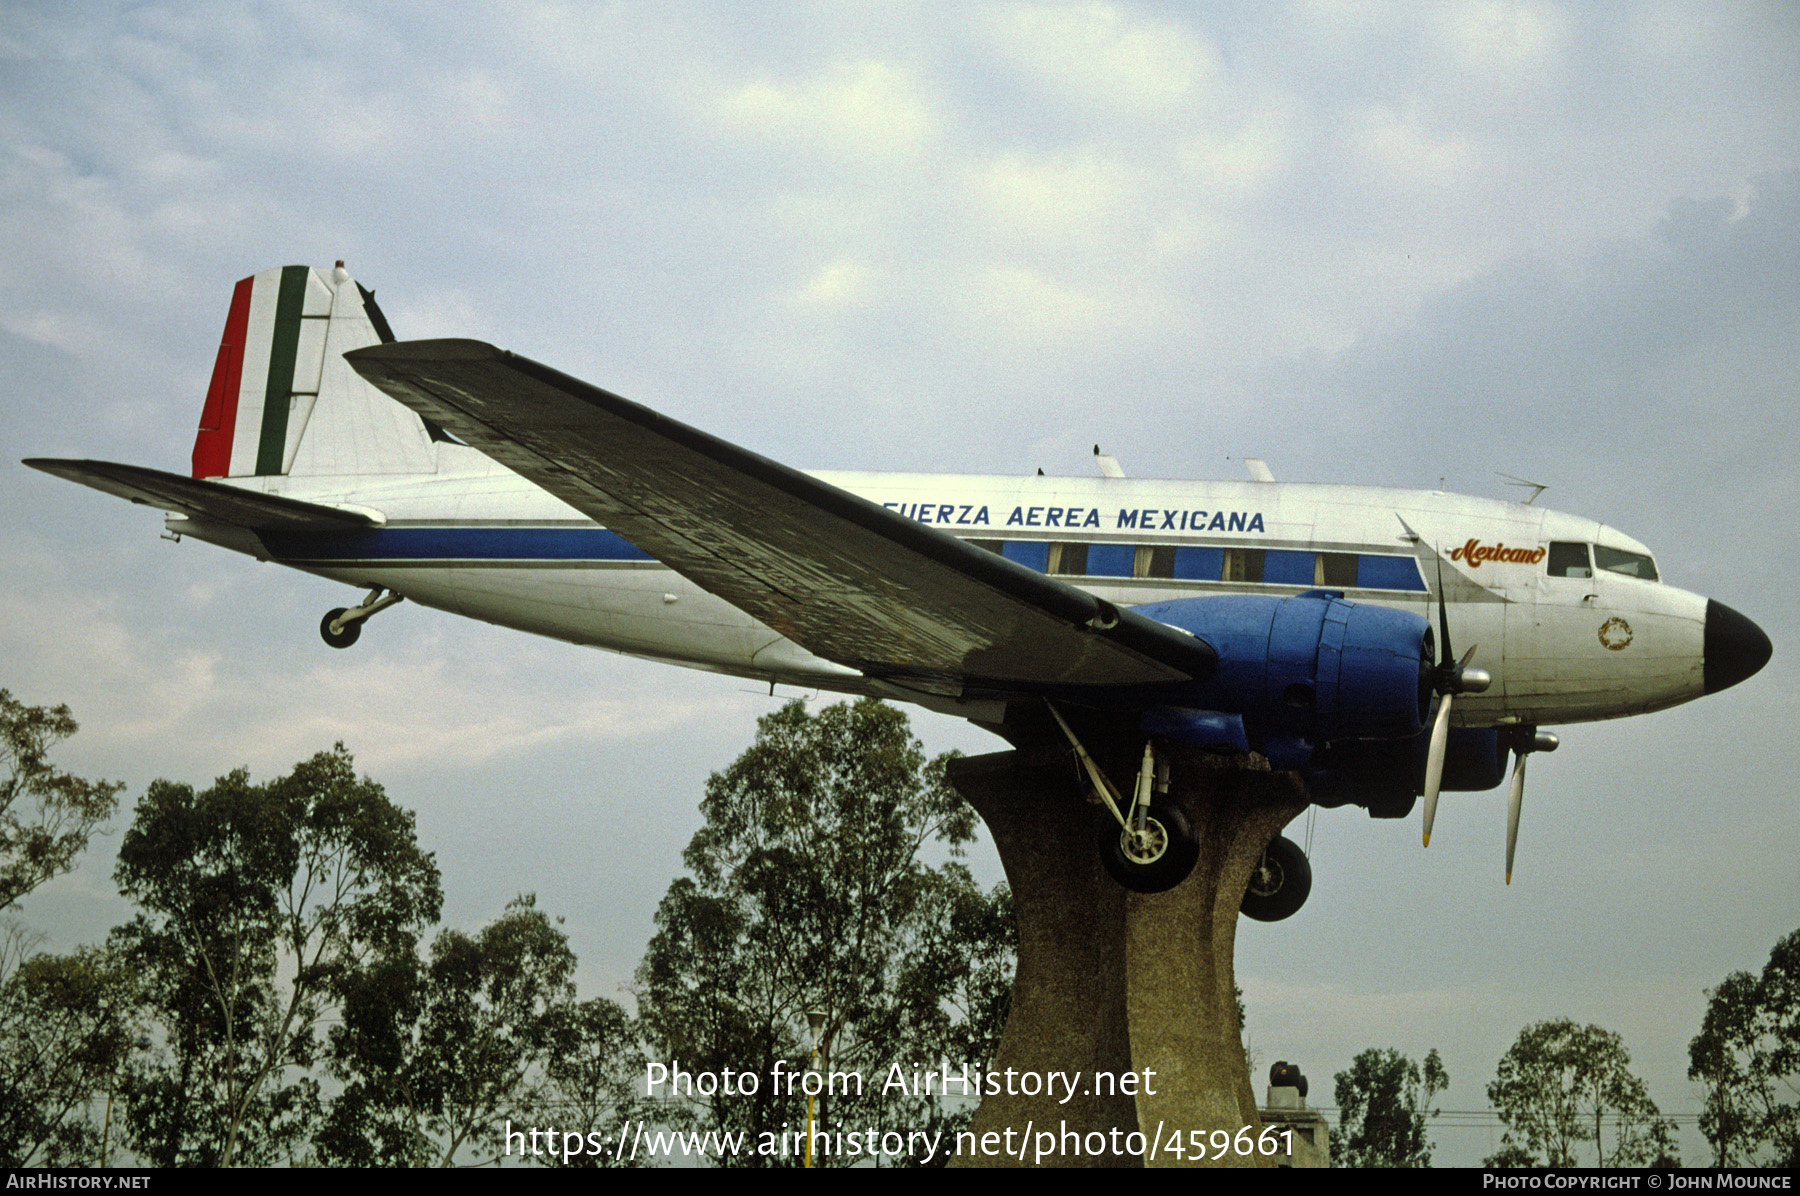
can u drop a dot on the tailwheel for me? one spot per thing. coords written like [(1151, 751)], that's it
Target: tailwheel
[(346, 633), (341, 627), (1153, 852), (1280, 884)]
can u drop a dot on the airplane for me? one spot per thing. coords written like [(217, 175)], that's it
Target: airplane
[(1316, 626)]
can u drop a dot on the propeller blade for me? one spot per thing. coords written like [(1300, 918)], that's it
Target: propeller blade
[(1512, 811), (1434, 762), (1443, 620)]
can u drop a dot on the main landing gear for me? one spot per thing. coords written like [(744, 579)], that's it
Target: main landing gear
[(1280, 884), (1148, 845), (341, 627)]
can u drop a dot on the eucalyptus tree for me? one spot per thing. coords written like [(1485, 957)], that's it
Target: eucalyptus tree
[(458, 1057), (258, 903), (47, 815), (1561, 1086), (1384, 1104), (1747, 1055), (810, 892)]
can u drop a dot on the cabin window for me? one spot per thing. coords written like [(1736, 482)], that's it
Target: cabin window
[(1285, 567), (1631, 564), (1336, 570), (1375, 572), (1154, 560), (1068, 558), (1242, 564), (1111, 560), (1199, 564), (1033, 554), (1568, 560)]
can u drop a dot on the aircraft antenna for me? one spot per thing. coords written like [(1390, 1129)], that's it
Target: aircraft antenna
[(1109, 464), (1536, 488)]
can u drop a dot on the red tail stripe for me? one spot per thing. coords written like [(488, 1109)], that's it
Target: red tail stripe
[(218, 419)]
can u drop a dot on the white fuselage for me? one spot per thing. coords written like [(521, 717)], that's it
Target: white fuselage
[(1564, 642)]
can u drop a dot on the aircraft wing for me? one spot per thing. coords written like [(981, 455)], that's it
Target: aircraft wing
[(202, 499), (845, 578)]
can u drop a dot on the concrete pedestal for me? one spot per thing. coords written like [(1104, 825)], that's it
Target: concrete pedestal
[(1114, 984)]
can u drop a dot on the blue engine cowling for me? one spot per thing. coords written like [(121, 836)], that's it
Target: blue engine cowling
[(1386, 776), (1299, 672), (1337, 690)]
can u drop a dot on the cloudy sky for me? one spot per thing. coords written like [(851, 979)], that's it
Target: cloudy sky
[(1369, 242)]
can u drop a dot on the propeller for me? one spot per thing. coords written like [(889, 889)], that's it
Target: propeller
[(1451, 677), (1528, 740)]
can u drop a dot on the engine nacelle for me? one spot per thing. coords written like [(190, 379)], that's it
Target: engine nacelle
[(1307, 670), (1387, 776)]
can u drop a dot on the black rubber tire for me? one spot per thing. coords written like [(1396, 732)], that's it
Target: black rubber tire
[(1280, 884), (344, 638), (1170, 866)]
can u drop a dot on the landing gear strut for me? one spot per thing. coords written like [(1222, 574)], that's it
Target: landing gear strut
[(1148, 846), (341, 627)]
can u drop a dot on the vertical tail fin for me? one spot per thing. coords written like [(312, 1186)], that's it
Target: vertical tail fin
[(282, 401)]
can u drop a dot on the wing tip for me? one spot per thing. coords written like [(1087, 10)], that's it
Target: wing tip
[(61, 467)]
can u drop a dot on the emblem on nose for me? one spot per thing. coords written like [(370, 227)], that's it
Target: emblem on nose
[(1615, 634)]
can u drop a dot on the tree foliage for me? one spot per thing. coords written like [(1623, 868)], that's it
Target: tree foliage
[(68, 1025), (265, 913), (1747, 1055), (46, 815), (438, 1057), (809, 892), (590, 1079), (258, 903), (1561, 1085), (1384, 1102)]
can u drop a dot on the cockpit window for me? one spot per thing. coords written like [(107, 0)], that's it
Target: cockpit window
[(1631, 564), (1568, 560)]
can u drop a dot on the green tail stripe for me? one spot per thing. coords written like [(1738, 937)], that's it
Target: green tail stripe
[(283, 348)]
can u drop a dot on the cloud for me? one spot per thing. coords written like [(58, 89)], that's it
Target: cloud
[(180, 673), (1056, 202), (1502, 43), (865, 111), (1105, 56)]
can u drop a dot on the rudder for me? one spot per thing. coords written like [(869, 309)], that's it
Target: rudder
[(282, 400)]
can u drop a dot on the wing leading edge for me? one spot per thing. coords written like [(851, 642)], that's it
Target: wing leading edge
[(843, 577)]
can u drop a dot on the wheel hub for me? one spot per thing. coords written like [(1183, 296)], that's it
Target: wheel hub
[(1144, 846)]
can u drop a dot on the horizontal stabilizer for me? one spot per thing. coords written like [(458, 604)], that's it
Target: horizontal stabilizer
[(202, 499), (843, 577)]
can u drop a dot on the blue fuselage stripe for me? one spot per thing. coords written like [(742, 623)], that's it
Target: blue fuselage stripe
[(456, 544)]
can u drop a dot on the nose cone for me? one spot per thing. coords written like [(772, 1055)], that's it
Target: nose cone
[(1735, 647)]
